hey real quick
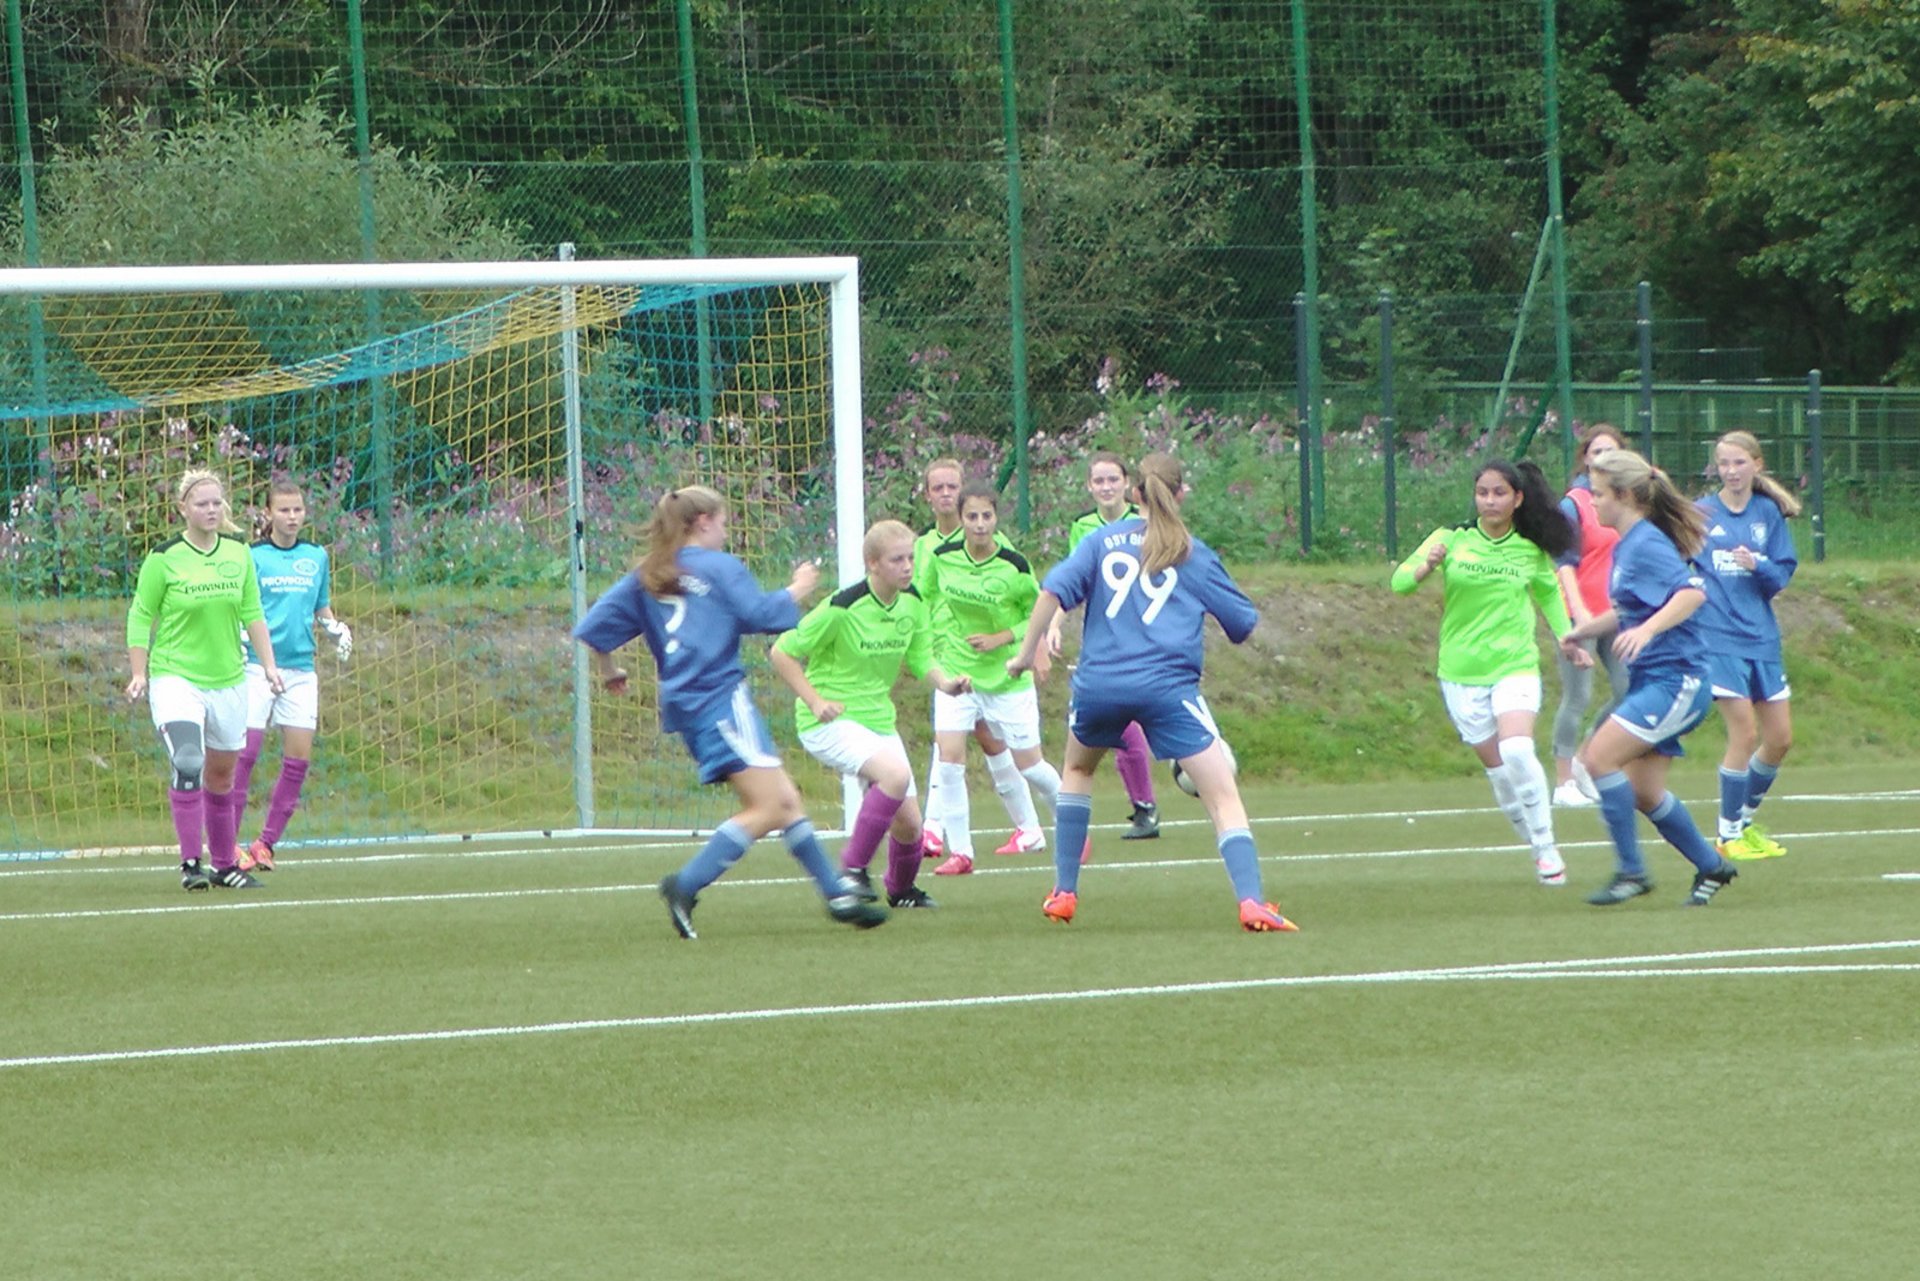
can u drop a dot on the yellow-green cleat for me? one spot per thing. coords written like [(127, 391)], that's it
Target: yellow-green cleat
[(1752, 844)]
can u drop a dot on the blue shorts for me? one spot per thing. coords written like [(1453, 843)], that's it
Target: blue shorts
[(1662, 709), (1754, 679), (729, 737), (1177, 725)]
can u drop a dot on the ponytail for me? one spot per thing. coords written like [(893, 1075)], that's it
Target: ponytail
[(1628, 475), (1763, 481), (1159, 480), (673, 518), (1538, 518)]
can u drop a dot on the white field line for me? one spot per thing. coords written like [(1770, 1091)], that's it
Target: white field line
[(250, 902), (1589, 968)]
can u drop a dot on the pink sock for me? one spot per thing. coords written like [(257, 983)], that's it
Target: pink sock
[(219, 830), (189, 821), (286, 795), (1135, 764), (903, 863), (869, 826), (243, 778)]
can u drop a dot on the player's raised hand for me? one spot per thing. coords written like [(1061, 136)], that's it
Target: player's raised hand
[(806, 577)]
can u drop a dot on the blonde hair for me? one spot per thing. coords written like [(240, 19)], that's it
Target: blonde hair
[(1763, 482), (1628, 475), (667, 532), (944, 464), (191, 480), (1159, 479), (884, 534)]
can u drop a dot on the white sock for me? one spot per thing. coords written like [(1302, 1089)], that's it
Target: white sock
[(956, 813), (930, 807), (1012, 788), (1503, 796), (1529, 783), (1046, 781)]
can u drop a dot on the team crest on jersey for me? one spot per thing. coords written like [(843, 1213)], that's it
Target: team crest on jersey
[(1759, 531), (306, 565), (903, 625)]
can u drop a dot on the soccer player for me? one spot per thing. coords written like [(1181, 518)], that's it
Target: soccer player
[(944, 479), (841, 663), (195, 593), (1584, 569), (692, 602), (1495, 571), (1747, 560), (1656, 595), (1148, 586), (981, 591), (295, 590), (1107, 483)]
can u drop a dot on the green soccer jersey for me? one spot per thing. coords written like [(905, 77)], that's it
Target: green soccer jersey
[(854, 648), (970, 597), (188, 609), (1489, 587), (1084, 525)]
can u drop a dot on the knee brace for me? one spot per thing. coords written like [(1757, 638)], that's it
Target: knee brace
[(187, 751)]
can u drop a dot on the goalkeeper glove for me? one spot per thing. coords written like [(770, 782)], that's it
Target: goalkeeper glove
[(341, 634)]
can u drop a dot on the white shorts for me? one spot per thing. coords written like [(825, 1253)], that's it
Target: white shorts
[(1014, 717), (221, 714), (845, 745), (296, 708), (1476, 709)]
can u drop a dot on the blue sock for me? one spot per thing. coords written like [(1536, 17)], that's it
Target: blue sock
[(1616, 809), (1070, 819), (1734, 786), (1677, 827), (1243, 863), (722, 850), (805, 848), (1760, 776)]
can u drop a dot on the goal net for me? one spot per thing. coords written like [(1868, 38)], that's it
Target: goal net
[(479, 446)]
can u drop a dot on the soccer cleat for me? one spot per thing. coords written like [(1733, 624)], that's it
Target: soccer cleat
[(679, 905), (1583, 780), (234, 878), (1263, 918), (193, 876), (1145, 824), (860, 882), (1568, 796), (851, 909), (1059, 906), (1550, 868), (1751, 844), (1022, 842), (932, 844), (257, 855), (912, 896), (956, 865), (1620, 889), (1708, 884)]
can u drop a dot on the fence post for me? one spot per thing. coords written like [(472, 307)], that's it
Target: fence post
[(1016, 269), (1643, 327), (696, 198), (1816, 469), (1306, 319), (1303, 404), (1388, 445), (381, 427)]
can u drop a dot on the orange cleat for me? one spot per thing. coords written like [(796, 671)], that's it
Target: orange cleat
[(956, 865), (1263, 918), (1059, 906), (258, 858), (932, 844), (1022, 842)]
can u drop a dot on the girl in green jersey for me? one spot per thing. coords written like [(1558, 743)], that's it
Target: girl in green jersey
[(1494, 572)]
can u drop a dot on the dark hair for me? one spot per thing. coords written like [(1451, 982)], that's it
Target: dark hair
[(1591, 433), (979, 489), (1538, 518)]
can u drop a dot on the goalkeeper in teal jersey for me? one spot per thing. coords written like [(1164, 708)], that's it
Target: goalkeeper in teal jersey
[(841, 663), (944, 479), (1495, 572), (195, 593), (981, 592)]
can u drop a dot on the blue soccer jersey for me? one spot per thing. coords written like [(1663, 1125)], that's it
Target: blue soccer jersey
[(1647, 570), (694, 636), (1143, 634), (295, 583), (1738, 618)]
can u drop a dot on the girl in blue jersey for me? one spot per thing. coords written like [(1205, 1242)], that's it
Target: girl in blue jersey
[(1148, 586), (692, 602), (1747, 560), (295, 590), (1655, 599)]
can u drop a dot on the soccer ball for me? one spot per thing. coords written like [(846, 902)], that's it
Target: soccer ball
[(1185, 784)]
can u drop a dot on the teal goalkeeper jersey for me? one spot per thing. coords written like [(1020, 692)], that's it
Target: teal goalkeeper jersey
[(854, 648), (969, 597), (188, 609), (1490, 587)]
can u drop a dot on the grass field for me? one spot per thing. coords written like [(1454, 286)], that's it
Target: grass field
[(484, 1062)]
